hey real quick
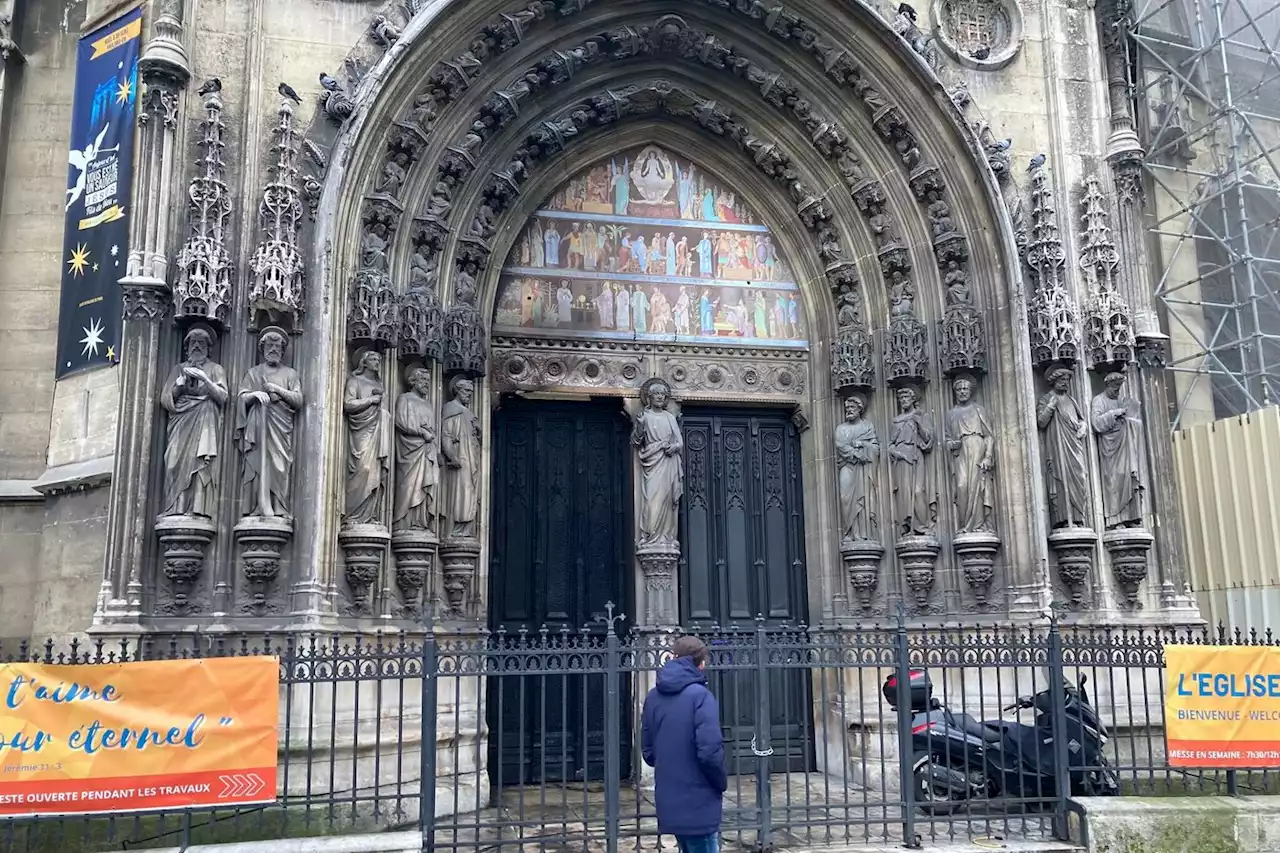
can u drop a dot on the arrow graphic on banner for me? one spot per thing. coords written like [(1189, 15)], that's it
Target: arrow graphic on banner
[(240, 785)]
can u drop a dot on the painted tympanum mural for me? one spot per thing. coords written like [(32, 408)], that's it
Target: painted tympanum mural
[(647, 246)]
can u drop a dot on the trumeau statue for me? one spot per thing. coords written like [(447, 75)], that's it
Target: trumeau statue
[(368, 441), (660, 445), (857, 451), (1066, 470), (972, 445), (460, 443), (915, 506), (1117, 421), (268, 403), (194, 397), (417, 465)]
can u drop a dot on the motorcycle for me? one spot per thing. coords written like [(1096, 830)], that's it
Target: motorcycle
[(958, 759)]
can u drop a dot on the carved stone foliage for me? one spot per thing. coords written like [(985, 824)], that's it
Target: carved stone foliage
[(279, 274), (1109, 334), (203, 288), (984, 35), (1051, 312)]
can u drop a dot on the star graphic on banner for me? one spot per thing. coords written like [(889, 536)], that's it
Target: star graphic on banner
[(92, 338), (79, 259), (124, 91), (115, 249), (95, 266), (111, 353)]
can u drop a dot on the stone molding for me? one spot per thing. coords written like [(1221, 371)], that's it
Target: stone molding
[(20, 491), (75, 476)]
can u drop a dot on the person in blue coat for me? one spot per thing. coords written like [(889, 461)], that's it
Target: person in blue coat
[(681, 740)]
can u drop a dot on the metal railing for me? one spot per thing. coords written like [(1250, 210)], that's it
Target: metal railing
[(534, 739)]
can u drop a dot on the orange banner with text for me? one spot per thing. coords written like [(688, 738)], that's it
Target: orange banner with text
[(138, 736), (1222, 706)]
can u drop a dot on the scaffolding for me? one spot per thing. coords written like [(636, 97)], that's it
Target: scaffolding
[(1206, 86)]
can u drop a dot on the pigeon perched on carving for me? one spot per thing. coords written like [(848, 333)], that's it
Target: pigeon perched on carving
[(287, 91), (210, 86), (330, 84), (981, 53), (1036, 162)]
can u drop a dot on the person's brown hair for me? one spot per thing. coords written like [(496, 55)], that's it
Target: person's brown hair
[(690, 647)]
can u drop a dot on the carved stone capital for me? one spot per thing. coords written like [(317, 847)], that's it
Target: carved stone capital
[(415, 554), (977, 555), (918, 556), (658, 567), (145, 299), (1074, 548), (1129, 547), (862, 566), (261, 540), (363, 547), (184, 539)]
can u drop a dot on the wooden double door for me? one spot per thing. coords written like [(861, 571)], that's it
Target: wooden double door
[(562, 547)]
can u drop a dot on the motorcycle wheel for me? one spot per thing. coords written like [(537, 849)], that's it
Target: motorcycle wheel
[(929, 798)]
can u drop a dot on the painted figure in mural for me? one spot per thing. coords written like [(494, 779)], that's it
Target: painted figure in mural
[(972, 445), (551, 240), (622, 308), (672, 255), (709, 206), (660, 444), (460, 443), (705, 256), (684, 190), (368, 441), (527, 297), (915, 505), (1066, 469), (793, 315), (621, 185), (641, 254), (576, 258), (681, 313), (194, 397), (640, 310), (707, 313), (564, 304), (739, 317), (589, 253), (778, 322), (417, 462), (684, 263), (771, 260), (761, 315), (538, 244), (269, 399), (1117, 421), (661, 312), (857, 451), (604, 305), (624, 252)]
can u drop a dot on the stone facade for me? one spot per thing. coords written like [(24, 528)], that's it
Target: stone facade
[(951, 223)]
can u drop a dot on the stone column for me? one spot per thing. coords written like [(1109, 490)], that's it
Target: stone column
[(164, 73), (1126, 157)]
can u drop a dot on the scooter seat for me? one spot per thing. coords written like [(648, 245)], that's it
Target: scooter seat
[(979, 729)]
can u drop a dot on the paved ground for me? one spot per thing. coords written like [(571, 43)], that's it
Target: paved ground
[(806, 812)]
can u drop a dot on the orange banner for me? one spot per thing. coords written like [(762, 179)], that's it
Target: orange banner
[(138, 736), (1222, 706)]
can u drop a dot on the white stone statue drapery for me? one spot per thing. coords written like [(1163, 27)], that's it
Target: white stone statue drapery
[(1117, 419), (972, 444), (1064, 428), (368, 441), (460, 443), (660, 445), (194, 396), (417, 459), (267, 407), (857, 451)]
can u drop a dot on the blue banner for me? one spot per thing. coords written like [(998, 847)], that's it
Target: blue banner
[(99, 181)]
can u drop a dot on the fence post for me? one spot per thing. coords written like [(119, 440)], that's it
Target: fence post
[(906, 781), (1058, 719), (612, 738), (760, 743), (427, 758)]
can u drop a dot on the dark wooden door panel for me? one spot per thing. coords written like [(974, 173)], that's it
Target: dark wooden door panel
[(559, 553), (743, 559)]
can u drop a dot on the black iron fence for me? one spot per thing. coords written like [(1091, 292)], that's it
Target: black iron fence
[(531, 740)]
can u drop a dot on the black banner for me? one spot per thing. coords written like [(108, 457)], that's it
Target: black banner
[(99, 180)]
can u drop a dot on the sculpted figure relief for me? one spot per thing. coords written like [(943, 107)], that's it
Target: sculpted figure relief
[(417, 462), (915, 505), (368, 441), (660, 443), (972, 445), (194, 397), (1118, 423), (460, 443), (1066, 469), (857, 451), (268, 403)]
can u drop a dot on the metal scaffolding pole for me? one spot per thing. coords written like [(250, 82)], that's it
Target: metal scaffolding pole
[(1205, 80)]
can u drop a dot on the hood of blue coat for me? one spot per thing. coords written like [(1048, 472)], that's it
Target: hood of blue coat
[(678, 674)]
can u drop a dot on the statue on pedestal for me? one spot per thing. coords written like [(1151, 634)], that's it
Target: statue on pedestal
[(1118, 422), (460, 443), (659, 443), (268, 403), (1064, 427), (857, 451), (368, 441), (915, 504), (972, 445), (417, 461), (194, 396)]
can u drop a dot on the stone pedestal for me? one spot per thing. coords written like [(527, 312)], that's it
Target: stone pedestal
[(862, 565), (919, 558), (363, 547), (184, 539), (1128, 548), (415, 553), (1074, 548), (977, 555), (261, 539), (658, 567), (459, 560)]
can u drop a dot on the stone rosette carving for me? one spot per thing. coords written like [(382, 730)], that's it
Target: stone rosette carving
[(261, 541), (203, 288), (982, 35), (184, 540)]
